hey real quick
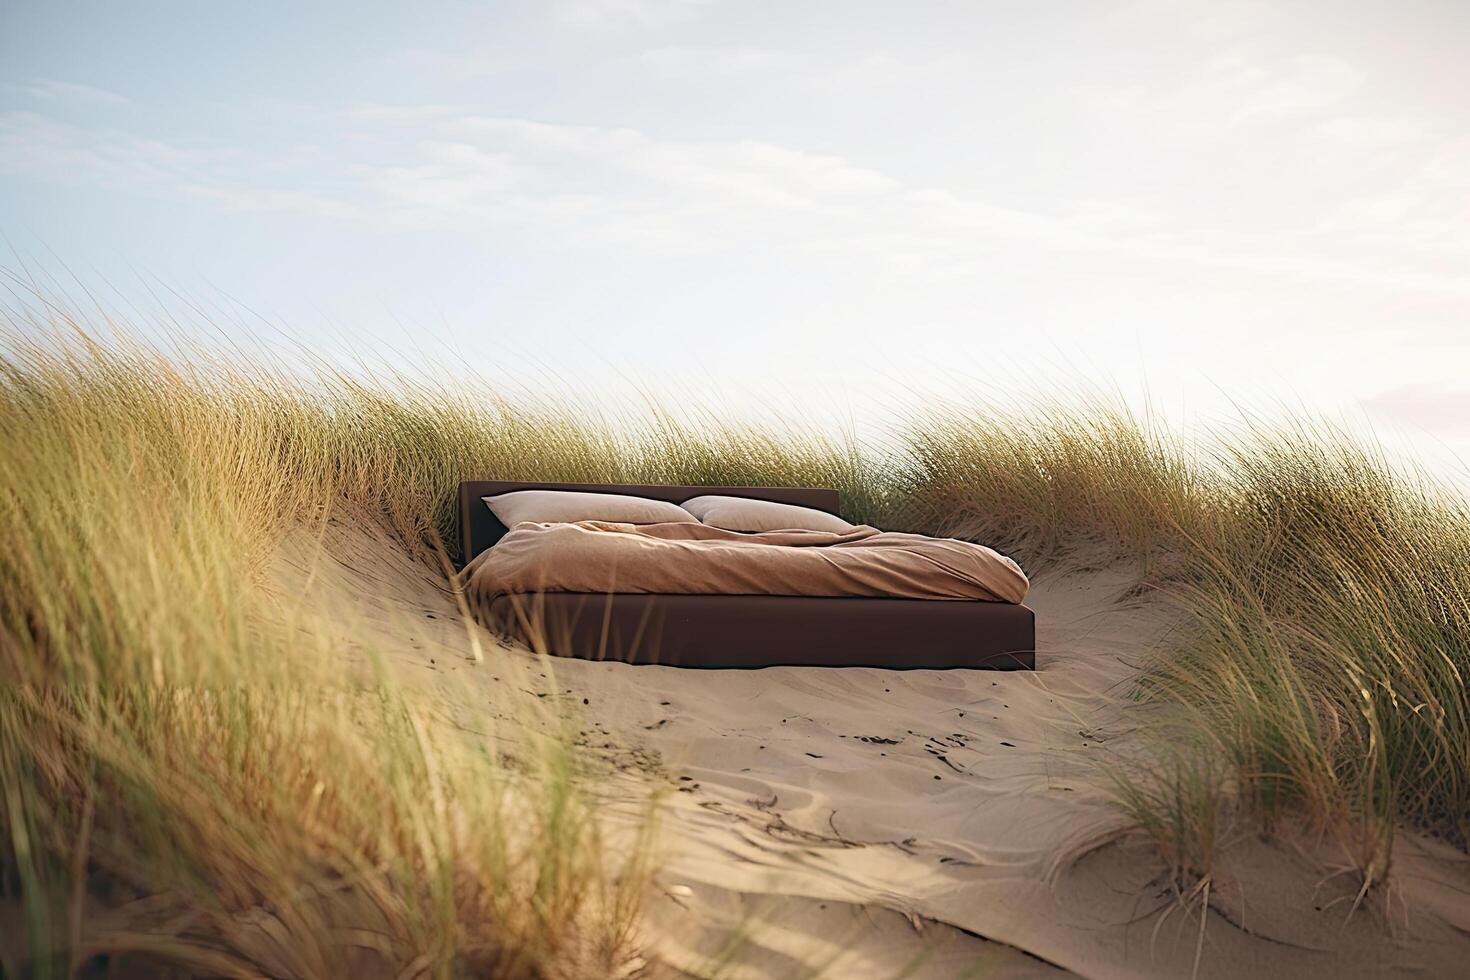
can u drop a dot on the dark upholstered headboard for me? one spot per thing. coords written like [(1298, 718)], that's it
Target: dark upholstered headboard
[(479, 528)]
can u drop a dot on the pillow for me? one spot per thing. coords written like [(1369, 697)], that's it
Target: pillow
[(744, 514), (570, 506)]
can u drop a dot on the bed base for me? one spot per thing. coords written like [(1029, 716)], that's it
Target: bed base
[(750, 631)]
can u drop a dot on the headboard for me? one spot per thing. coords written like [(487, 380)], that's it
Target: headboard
[(479, 528)]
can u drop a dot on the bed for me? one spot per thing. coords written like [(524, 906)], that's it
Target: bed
[(738, 630)]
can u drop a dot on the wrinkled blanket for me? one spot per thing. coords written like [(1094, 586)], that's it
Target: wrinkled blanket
[(599, 557)]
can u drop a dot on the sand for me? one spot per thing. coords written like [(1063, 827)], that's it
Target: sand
[(871, 822)]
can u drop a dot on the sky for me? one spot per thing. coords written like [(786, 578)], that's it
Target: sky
[(835, 206)]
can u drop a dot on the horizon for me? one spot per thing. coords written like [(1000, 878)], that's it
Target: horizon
[(845, 206)]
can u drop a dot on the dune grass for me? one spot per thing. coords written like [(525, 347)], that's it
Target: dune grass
[(1328, 600), (1318, 679), (1050, 481), (199, 774), (191, 777)]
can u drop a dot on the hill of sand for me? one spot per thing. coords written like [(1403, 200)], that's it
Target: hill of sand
[(870, 821)]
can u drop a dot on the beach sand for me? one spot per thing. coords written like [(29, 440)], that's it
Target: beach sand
[(869, 822)]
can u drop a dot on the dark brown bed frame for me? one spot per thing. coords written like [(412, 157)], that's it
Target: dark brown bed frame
[(745, 630)]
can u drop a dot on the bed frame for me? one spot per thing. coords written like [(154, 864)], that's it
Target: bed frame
[(745, 630)]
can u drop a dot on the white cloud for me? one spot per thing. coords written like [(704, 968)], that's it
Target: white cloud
[(683, 62), (272, 199), (825, 74), (454, 66), (1371, 212), (745, 171), (876, 69), (48, 149), (441, 166), (37, 144), (620, 184), (1373, 132), (1202, 18), (1293, 86), (375, 112), (51, 90), (1421, 209), (614, 13), (1235, 89), (452, 176)]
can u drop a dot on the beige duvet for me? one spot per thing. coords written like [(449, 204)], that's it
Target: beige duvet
[(598, 557)]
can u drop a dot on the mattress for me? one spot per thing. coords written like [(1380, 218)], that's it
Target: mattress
[(600, 558), (746, 631)]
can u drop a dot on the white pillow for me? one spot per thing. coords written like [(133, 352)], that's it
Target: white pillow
[(570, 506), (745, 514)]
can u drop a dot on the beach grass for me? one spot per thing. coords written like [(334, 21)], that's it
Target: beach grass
[(204, 770), (1317, 678), (207, 773)]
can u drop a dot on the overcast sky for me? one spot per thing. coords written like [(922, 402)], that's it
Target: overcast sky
[(839, 202)]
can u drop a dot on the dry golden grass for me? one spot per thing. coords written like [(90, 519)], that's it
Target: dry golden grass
[(1318, 680), (195, 779)]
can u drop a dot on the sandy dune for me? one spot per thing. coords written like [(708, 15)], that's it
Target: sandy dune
[(871, 821)]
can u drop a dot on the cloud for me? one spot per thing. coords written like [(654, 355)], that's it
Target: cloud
[(827, 74), (644, 171), (451, 176), (1234, 89), (49, 149), (620, 185), (612, 184), (1202, 18), (51, 90), (452, 66), (37, 144), (617, 13), (750, 172), (878, 69), (683, 62), (1419, 208), (1373, 132), (564, 185), (375, 112), (1292, 86), (272, 199), (607, 181)]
